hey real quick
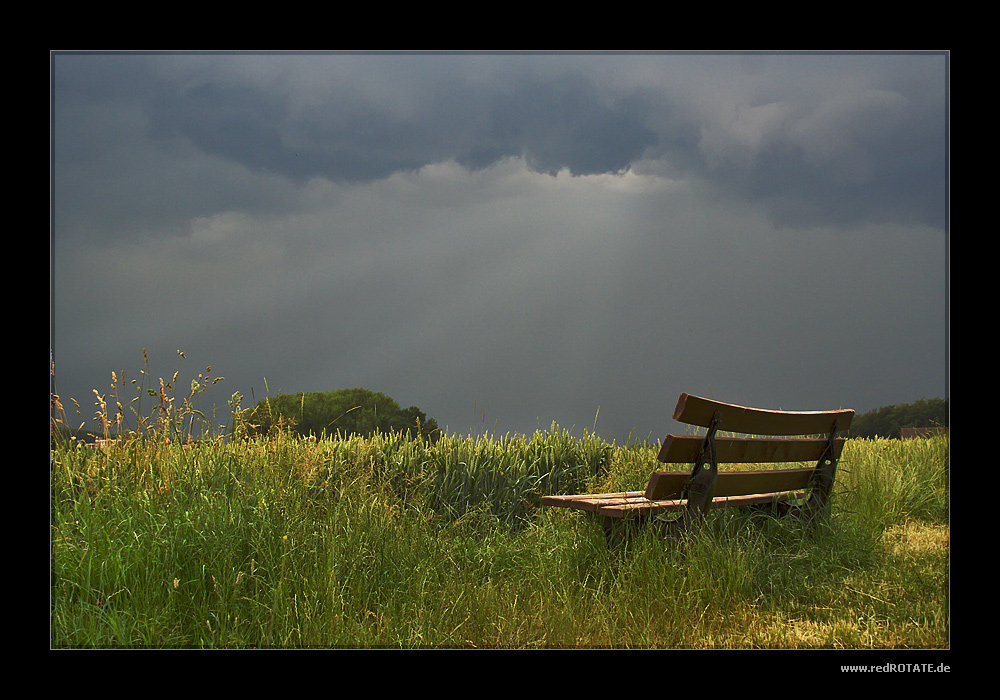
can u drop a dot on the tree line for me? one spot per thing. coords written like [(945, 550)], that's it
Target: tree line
[(342, 411), (888, 421), (363, 412)]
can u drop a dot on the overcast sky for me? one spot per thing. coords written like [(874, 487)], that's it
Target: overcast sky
[(505, 240)]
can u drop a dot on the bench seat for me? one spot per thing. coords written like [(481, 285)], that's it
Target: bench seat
[(621, 505), (664, 493)]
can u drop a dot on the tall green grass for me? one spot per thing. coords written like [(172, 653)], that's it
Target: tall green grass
[(400, 543), (388, 542), (887, 482)]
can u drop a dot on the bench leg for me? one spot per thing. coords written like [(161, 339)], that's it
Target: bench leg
[(617, 530), (614, 528), (778, 509)]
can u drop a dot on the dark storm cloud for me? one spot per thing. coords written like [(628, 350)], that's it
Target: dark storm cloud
[(113, 178), (563, 123), (875, 155), (554, 124), (870, 151), (128, 134)]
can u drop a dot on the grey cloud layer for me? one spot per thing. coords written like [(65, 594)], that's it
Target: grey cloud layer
[(391, 222), (343, 135), (878, 145)]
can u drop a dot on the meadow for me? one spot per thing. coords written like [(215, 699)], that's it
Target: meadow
[(393, 542)]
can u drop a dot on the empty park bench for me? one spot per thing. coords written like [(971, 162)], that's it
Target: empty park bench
[(692, 493)]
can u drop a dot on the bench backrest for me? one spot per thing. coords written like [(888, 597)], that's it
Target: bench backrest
[(685, 449), (695, 410)]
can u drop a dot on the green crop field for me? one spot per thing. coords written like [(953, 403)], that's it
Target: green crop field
[(393, 542)]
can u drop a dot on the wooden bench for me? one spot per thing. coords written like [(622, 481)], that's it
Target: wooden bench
[(693, 493)]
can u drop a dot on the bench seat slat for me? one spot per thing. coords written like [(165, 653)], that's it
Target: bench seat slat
[(683, 449), (624, 507), (695, 410), (733, 492), (591, 502), (636, 504)]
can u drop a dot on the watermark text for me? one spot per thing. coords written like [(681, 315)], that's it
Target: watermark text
[(897, 668)]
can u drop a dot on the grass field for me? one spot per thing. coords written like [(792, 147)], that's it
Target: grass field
[(387, 542)]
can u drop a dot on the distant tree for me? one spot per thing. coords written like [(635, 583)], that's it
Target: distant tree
[(344, 411), (888, 421)]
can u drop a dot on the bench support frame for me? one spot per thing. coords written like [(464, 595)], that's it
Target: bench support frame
[(821, 483), (692, 494), (701, 487)]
